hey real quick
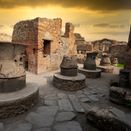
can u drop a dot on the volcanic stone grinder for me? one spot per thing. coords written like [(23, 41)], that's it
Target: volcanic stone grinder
[(16, 96), (89, 68), (69, 79), (69, 66), (121, 93), (105, 64)]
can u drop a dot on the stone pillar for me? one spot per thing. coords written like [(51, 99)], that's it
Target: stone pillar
[(12, 72), (69, 29), (69, 33)]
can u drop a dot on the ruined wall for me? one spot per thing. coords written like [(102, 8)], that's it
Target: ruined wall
[(79, 39), (25, 32), (102, 45), (49, 30), (118, 51), (69, 33), (46, 45)]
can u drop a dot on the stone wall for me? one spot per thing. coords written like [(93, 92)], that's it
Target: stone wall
[(25, 32), (69, 33), (46, 46), (105, 44), (48, 30), (118, 51), (79, 39)]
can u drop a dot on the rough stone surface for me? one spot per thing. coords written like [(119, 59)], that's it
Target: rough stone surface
[(23, 127), (111, 118), (69, 83), (68, 126), (12, 73), (48, 110), (90, 63), (45, 42), (106, 69), (16, 103), (124, 80), (1, 126), (90, 73), (85, 100), (50, 102), (43, 117), (93, 98), (69, 62), (105, 60), (97, 87), (76, 103), (118, 51), (120, 95), (65, 105), (69, 66), (65, 116), (39, 120), (11, 60), (43, 129)]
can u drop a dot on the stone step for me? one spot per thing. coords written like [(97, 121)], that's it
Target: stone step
[(76, 104), (15, 103), (65, 105)]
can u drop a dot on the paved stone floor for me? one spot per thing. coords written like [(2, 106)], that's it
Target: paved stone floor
[(58, 110)]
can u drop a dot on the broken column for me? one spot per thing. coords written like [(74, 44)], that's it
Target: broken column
[(108, 119), (89, 68), (69, 79), (15, 96), (105, 64)]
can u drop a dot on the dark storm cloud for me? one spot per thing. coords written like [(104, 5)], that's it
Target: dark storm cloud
[(103, 25), (106, 5)]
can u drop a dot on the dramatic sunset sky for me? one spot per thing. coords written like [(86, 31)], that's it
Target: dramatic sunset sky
[(94, 19)]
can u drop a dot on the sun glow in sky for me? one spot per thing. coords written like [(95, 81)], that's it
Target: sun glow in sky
[(92, 19)]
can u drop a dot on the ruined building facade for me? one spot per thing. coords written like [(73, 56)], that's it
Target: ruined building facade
[(45, 44)]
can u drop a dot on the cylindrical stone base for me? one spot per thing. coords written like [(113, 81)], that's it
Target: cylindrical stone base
[(124, 78), (69, 72), (106, 69), (16, 103), (69, 83), (90, 73), (12, 84)]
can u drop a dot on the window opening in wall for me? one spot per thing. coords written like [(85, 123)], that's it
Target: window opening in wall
[(34, 51), (46, 47)]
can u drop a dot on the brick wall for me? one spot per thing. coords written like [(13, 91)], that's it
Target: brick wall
[(43, 35)]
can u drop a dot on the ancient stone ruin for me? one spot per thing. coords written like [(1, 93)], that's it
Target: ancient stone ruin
[(110, 118), (120, 92), (114, 61), (15, 96), (69, 66), (45, 41), (105, 64), (69, 79), (89, 68)]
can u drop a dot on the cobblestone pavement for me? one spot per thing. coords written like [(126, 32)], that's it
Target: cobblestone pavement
[(58, 110)]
